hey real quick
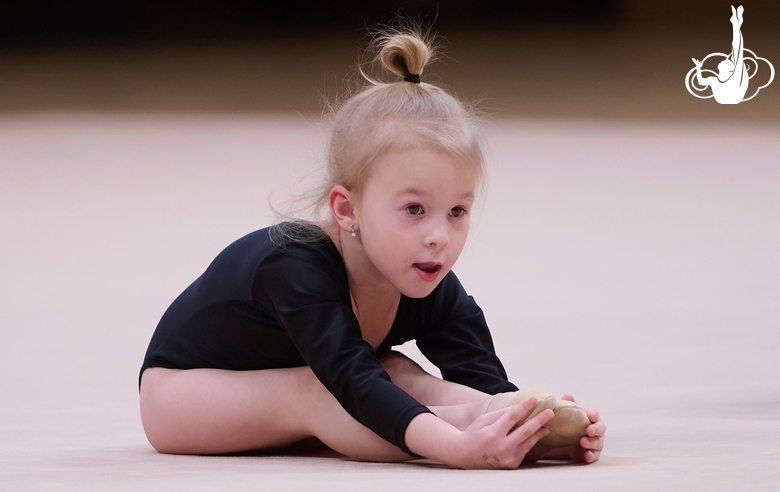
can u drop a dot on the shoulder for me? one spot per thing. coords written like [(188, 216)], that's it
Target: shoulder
[(296, 263), (285, 240), (301, 244), (273, 253)]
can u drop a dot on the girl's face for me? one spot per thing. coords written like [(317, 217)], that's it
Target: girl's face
[(413, 218)]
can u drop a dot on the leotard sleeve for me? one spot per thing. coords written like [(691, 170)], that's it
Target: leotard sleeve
[(457, 340), (307, 293)]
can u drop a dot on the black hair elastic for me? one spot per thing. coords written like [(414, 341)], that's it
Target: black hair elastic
[(412, 77)]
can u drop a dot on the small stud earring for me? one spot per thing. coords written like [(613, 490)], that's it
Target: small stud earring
[(352, 226)]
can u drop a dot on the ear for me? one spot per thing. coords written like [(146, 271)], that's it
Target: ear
[(342, 207)]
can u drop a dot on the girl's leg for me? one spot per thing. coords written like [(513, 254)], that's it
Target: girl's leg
[(425, 388), (214, 411), (454, 403)]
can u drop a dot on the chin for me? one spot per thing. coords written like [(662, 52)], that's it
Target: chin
[(418, 292)]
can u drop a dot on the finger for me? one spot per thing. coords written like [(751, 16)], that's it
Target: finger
[(569, 397), (524, 447), (590, 456), (592, 443), (525, 452), (511, 416), (490, 418), (592, 414), (596, 429), (525, 431)]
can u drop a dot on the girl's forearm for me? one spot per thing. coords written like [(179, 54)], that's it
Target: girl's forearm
[(431, 437)]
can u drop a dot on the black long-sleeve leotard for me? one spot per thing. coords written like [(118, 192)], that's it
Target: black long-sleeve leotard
[(265, 304)]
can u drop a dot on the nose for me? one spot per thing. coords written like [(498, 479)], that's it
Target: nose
[(437, 236)]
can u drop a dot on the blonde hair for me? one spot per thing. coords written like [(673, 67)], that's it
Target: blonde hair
[(388, 117)]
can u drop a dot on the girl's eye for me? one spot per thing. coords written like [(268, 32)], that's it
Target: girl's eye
[(414, 209), (457, 212)]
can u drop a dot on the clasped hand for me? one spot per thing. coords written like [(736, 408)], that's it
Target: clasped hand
[(495, 440)]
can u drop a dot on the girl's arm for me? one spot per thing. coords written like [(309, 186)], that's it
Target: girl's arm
[(456, 339), (461, 346), (306, 293), (492, 441)]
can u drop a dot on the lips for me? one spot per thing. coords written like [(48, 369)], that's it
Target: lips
[(427, 271)]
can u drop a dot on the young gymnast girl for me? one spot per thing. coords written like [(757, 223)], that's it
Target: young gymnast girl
[(286, 338)]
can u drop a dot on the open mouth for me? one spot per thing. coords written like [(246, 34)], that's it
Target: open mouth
[(428, 267), (427, 271)]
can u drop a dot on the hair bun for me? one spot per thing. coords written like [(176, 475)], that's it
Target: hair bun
[(404, 53)]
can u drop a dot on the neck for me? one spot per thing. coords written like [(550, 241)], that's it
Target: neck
[(368, 288)]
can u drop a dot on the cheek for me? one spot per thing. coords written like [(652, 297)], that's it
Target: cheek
[(394, 243), (461, 234), (383, 241)]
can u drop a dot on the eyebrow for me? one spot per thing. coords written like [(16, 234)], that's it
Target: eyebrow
[(419, 192)]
